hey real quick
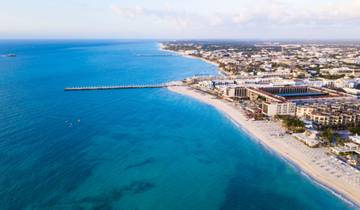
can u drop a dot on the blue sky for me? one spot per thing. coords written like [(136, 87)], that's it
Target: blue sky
[(185, 19)]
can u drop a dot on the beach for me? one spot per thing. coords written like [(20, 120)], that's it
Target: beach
[(220, 70), (324, 169), (129, 149)]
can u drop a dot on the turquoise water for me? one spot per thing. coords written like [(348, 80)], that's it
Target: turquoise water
[(128, 149)]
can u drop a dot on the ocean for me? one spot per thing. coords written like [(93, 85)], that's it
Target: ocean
[(144, 149)]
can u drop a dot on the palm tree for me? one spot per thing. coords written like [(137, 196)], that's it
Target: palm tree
[(328, 135)]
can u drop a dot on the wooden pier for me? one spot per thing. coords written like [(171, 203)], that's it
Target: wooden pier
[(83, 88)]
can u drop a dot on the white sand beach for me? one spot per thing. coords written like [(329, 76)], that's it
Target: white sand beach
[(221, 71), (325, 169)]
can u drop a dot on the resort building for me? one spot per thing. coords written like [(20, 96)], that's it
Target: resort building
[(309, 137), (282, 100), (273, 109), (271, 105), (355, 139), (330, 113), (346, 149), (236, 92)]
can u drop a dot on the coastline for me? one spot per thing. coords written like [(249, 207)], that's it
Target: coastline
[(220, 71), (310, 161)]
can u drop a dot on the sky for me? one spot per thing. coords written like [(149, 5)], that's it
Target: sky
[(180, 19)]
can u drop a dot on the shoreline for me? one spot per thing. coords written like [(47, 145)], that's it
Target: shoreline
[(219, 70), (309, 161)]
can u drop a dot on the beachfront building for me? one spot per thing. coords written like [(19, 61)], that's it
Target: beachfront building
[(355, 139), (280, 100), (271, 105), (304, 111), (309, 137), (334, 119), (350, 152), (272, 109), (348, 148), (207, 84), (275, 100), (330, 113), (236, 92)]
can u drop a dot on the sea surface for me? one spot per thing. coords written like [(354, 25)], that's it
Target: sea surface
[(148, 149)]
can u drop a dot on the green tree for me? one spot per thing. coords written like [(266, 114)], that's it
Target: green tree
[(293, 124), (355, 130), (328, 135)]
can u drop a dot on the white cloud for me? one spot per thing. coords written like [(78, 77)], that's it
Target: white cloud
[(263, 18), (216, 20), (272, 12), (240, 18), (128, 12), (168, 14), (280, 13)]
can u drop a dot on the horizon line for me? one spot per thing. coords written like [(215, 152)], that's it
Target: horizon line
[(184, 39)]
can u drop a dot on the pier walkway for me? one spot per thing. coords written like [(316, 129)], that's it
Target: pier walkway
[(114, 87)]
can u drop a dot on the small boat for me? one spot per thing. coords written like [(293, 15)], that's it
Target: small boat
[(9, 55)]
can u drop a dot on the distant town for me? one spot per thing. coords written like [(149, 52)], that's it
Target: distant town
[(312, 89)]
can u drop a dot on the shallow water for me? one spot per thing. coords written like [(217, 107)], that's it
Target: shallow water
[(128, 149)]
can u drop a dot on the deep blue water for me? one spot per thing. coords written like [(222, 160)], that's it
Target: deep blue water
[(130, 149)]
